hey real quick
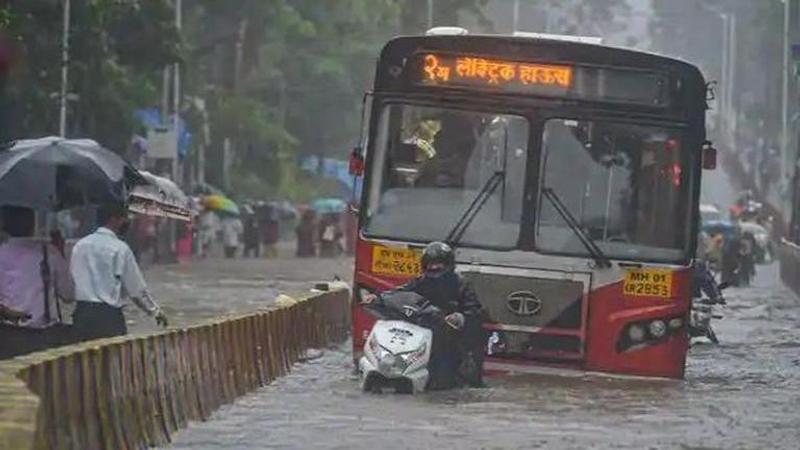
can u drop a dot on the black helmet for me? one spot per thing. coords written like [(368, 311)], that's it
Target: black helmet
[(438, 253)]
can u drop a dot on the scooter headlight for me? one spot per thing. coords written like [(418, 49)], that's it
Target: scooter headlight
[(398, 364), (391, 364)]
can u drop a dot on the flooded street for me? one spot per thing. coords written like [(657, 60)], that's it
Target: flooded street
[(741, 394), (571, 157), (209, 288)]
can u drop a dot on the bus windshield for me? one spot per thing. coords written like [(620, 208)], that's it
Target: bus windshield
[(625, 185), (430, 163)]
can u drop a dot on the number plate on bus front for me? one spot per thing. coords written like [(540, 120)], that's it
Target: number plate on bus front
[(399, 262), (648, 283)]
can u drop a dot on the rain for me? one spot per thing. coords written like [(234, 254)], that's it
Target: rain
[(597, 203)]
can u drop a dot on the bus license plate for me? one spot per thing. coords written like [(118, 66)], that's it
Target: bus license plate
[(648, 283), (394, 261)]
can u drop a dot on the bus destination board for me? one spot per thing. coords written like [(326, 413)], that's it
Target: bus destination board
[(469, 71), (605, 84)]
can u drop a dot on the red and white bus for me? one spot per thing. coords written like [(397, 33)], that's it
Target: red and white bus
[(567, 176)]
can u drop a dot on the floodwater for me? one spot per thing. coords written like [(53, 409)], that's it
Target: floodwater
[(209, 288), (742, 394)]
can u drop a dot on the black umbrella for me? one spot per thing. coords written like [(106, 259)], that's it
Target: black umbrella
[(51, 174), (54, 173)]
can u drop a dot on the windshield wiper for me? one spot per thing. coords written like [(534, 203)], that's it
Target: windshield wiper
[(594, 251), (466, 218)]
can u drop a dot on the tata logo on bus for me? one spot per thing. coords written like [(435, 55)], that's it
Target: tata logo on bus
[(648, 283), (524, 303), (442, 69)]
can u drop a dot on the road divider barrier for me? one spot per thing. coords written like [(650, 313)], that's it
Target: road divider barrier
[(132, 392)]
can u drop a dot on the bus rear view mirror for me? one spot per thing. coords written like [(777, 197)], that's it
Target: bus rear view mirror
[(709, 156)]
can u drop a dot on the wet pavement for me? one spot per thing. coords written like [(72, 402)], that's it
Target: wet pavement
[(744, 393), (207, 288)]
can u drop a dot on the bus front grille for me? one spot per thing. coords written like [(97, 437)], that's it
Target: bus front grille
[(532, 318), (530, 303)]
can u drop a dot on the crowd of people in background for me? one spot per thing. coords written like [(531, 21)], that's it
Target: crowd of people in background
[(734, 248), (255, 233), (324, 237)]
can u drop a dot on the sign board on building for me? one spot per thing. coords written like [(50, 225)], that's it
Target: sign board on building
[(162, 143)]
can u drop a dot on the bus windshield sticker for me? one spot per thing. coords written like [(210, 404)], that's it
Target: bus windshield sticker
[(648, 283), (395, 261)]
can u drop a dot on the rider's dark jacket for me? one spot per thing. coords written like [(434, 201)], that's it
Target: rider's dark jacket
[(448, 292), (704, 283), (451, 293)]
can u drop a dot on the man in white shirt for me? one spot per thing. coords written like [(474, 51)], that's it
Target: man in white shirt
[(105, 270)]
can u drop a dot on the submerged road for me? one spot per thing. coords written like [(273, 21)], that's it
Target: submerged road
[(209, 288), (744, 394)]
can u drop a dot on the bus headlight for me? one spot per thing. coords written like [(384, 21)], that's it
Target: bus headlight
[(643, 333), (636, 333), (657, 328)]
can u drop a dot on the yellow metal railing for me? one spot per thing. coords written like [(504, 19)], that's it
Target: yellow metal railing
[(135, 391)]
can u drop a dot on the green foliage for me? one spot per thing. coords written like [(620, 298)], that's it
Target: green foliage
[(117, 49), (280, 79)]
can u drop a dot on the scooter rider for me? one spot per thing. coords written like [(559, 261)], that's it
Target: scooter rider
[(463, 340), (704, 283)]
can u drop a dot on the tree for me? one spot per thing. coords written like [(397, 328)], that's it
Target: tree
[(281, 79), (116, 49), (302, 67), (693, 30)]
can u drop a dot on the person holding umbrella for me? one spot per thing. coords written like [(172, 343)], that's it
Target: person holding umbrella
[(54, 174), (27, 269), (105, 271)]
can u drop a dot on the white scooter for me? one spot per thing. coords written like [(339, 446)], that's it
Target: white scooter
[(704, 309), (398, 349)]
